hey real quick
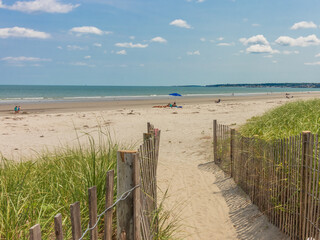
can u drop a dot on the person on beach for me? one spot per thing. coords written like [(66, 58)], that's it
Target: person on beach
[(16, 109), (174, 104)]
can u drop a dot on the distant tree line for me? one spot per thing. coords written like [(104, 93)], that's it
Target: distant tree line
[(263, 85)]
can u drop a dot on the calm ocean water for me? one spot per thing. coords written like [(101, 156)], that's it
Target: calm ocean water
[(15, 94)]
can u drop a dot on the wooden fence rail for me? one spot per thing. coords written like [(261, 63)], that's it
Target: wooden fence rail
[(136, 198), (281, 177)]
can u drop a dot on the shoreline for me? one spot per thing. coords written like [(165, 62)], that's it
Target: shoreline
[(101, 105)]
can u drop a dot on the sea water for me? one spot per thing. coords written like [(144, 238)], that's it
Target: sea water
[(37, 93)]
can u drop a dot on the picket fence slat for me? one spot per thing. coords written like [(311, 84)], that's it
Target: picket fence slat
[(136, 198), (58, 227), (281, 177)]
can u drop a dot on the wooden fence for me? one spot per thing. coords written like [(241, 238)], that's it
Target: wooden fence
[(136, 198), (281, 177)]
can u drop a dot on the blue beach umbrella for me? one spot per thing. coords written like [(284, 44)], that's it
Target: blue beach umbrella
[(175, 94)]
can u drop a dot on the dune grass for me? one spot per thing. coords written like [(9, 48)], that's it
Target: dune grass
[(34, 191), (287, 120)]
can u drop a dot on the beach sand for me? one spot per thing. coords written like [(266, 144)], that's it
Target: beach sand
[(208, 204)]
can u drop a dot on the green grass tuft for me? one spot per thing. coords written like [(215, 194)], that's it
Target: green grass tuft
[(35, 191), (285, 121)]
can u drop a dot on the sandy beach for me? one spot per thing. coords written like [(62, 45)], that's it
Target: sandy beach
[(208, 203)]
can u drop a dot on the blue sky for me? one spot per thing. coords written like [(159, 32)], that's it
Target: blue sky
[(158, 42)]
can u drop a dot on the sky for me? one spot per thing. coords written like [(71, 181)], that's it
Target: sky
[(159, 42)]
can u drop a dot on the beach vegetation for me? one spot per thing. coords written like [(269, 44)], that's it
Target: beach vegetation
[(284, 121), (34, 191)]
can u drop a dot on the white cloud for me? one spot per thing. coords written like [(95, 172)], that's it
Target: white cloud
[(202, 39), (159, 40), (75, 47), (258, 48), (87, 57), (122, 52), (255, 25), (25, 59), (274, 61), (317, 55), (131, 45), (97, 44), (225, 44), (88, 30), (303, 24), (180, 23), (258, 39), (49, 6), (290, 52), (310, 40), (59, 47), (22, 33), (132, 37), (81, 64), (257, 44), (312, 63), (220, 38), (197, 52)]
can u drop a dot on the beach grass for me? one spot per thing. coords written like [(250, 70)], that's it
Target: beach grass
[(284, 121), (34, 191)]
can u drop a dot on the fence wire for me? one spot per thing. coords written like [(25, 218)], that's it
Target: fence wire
[(122, 198)]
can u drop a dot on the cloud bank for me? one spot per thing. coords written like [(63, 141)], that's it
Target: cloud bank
[(19, 32), (310, 40), (303, 24), (49, 6), (257, 44)]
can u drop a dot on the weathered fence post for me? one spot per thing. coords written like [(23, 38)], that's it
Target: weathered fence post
[(136, 198), (35, 232), (75, 220), (109, 202), (304, 181), (92, 192), (125, 182), (149, 127), (147, 136), (123, 235), (58, 227), (215, 142), (232, 135)]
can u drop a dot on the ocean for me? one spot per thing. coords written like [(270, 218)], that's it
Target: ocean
[(17, 94)]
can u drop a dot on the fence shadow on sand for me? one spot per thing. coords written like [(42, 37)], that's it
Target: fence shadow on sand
[(248, 221)]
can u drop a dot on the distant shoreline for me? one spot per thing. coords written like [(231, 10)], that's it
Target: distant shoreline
[(262, 85)]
